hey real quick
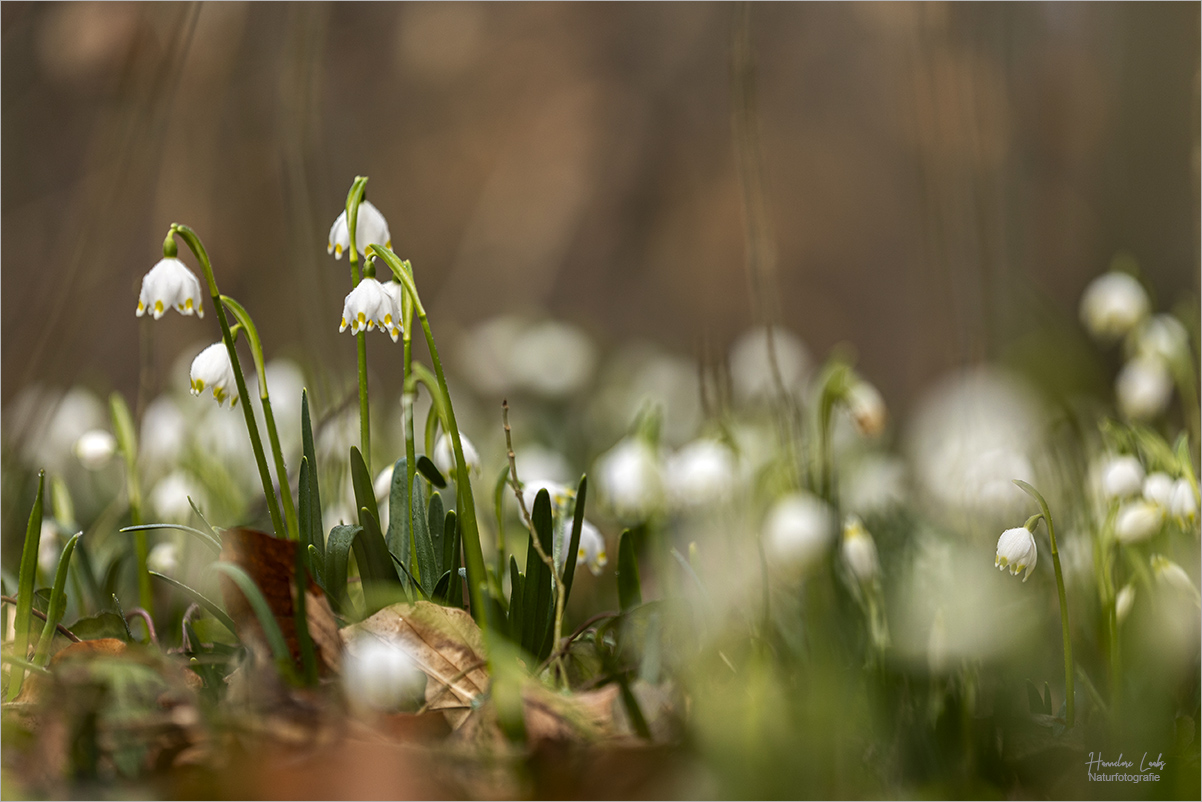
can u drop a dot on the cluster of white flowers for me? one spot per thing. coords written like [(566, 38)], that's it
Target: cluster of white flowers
[(1145, 501), (592, 543), (1116, 306)]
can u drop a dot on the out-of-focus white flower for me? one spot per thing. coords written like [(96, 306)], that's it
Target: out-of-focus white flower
[(1124, 601), (1122, 477), (1138, 521), (1158, 487), (1162, 337), (170, 284), (552, 359), (1144, 388), (592, 546), (50, 547), (170, 497), (1113, 304), (95, 448), (629, 475), (163, 433), (798, 530), (751, 369), (47, 424), (382, 486), (379, 674), (559, 493), (444, 455), (369, 305), (1016, 551), (873, 484), (700, 474), (1171, 575), (535, 462), (859, 551), (164, 558), (973, 434), (1183, 503), (867, 408), (370, 228), (212, 368)]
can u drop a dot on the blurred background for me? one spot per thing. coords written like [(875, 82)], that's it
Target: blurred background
[(938, 180)]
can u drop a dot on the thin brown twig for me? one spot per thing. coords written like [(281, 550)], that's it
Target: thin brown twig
[(448, 685), (62, 629)]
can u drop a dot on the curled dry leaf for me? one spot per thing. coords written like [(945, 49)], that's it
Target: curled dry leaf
[(444, 642), (271, 563)]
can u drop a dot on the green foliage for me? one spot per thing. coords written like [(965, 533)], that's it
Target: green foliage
[(630, 594), (29, 568)]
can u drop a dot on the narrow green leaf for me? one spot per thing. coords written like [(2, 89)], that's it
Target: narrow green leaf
[(440, 590), (24, 665), (208, 540), (375, 565), (316, 532), (633, 710), (365, 493), (304, 522), (436, 521), (271, 627), (29, 572), (569, 562), (303, 638), (338, 563), (629, 593), (1047, 699), (413, 583), (318, 572), (208, 604), (58, 602), (450, 541), (399, 540), (421, 537), (202, 518), (427, 469), (537, 593), (516, 616)]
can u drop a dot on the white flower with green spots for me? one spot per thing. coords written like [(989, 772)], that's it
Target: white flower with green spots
[(369, 305), (170, 284), (212, 370)]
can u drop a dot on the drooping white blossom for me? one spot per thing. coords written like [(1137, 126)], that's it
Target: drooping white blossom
[(858, 551), (164, 558), (1122, 476), (701, 474), (798, 530), (1158, 487), (630, 477), (1113, 304), (212, 369), (369, 305), (379, 674), (444, 455), (1138, 520), (1183, 500), (170, 284), (1124, 601), (95, 448), (867, 408), (1144, 387), (1016, 550), (370, 228)]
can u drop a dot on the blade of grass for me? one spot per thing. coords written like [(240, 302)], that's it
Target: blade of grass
[(58, 602), (316, 534), (213, 608), (29, 569), (630, 595), (569, 562), (208, 540)]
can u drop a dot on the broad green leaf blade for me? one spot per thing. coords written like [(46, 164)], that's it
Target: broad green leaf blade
[(29, 572), (399, 540), (365, 493), (205, 538), (440, 590), (539, 594), (375, 565), (318, 570), (338, 563), (316, 532), (569, 562), (58, 602), (426, 569), (436, 521), (427, 469), (516, 616), (213, 608), (271, 628), (629, 593)]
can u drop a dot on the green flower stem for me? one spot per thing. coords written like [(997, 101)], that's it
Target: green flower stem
[(473, 554), (409, 394), (1064, 628), (252, 428), (353, 198), (281, 470), (833, 385), (127, 444)]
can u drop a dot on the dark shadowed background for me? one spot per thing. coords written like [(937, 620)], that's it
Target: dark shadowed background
[(938, 179)]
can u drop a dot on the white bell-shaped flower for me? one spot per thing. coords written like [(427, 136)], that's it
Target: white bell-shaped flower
[(700, 475), (591, 551), (169, 499), (95, 448), (858, 551), (1158, 487), (371, 228), (1144, 388), (1113, 304), (1016, 551), (798, 530), (1162, 337), (559, 492), (867, 408), (1122, 476), (1171, 575), (212, 368), (1137, 521), (379, 674), (170, 284), (1124, 601), (629, 474), (369, 305), (1183, 500), (444, 454)]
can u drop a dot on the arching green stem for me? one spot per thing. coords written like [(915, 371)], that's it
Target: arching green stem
[(281, 470), (252, 428), (473, 554), (1064, 628), (353, 198)]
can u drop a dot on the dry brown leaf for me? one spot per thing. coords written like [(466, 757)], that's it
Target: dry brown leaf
[(444, 642), (271, 563)]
